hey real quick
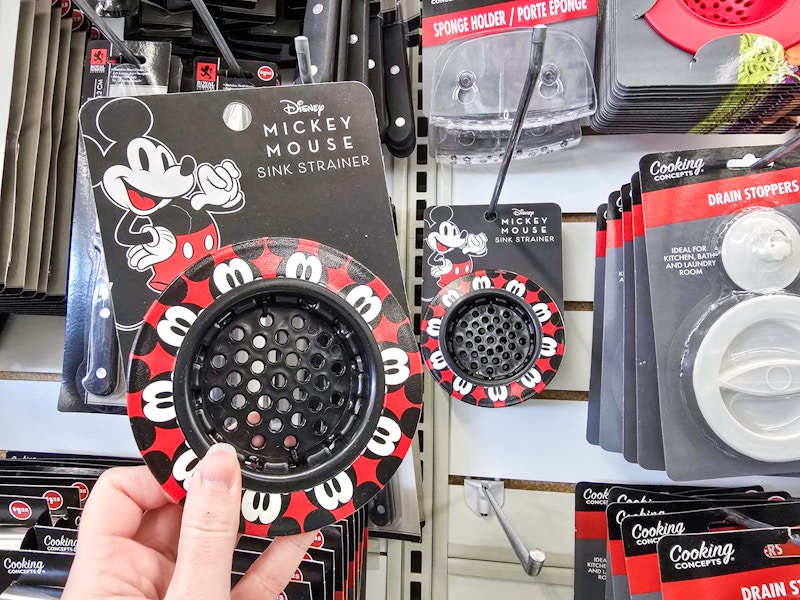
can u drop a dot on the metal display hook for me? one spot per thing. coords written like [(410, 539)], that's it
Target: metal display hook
[(777, 153), (481, 495), (107, 32), (538, 38), (219, 40), (301, 45)]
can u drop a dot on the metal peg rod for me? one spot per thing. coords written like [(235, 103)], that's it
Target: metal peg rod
[(107, 32), (303, 59), (777, 153), (531, 560), (538, 38), (233, 65)]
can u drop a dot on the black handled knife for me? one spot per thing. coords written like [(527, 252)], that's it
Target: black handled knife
[(321, 27), (103, 350), (375, 77), (358, 41), (401, 138)]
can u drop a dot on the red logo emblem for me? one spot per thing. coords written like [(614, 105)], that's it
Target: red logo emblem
[(99, 56), (319, 540), (297, 576), (20, 510), (66, 8), (83, 490), (266, 73), (77, 19), (206, 72), (54, 499)]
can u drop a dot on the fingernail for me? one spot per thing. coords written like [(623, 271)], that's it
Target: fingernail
[(220, 466)]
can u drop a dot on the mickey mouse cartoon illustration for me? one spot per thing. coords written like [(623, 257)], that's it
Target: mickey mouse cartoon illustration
[(168, 202), (447, 238)]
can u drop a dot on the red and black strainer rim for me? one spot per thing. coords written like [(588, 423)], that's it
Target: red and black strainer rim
[(295, 354), (492, 338), (690, 24)]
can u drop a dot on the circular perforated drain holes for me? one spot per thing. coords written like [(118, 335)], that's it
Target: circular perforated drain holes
[(257, 367), (477, 328), (734, 12), (691, 24), (295, 309), (279, 381), (325, 453), (492, 338)]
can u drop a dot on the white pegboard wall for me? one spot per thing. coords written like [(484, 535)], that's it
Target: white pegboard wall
[(538, 448)]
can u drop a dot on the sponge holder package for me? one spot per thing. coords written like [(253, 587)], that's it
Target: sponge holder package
[(723, 246)]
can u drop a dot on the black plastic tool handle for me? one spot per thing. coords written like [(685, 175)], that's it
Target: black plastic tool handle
[(321, 27), (344, 31), (103, 352), (375, 78), (358, 41), (401, 137)]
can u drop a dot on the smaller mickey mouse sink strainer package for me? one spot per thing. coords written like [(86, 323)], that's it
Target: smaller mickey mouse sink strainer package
[(723, 250), (257, 293), (492, 330)]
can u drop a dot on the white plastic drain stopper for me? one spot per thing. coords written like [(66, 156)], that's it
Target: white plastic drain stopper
[(746, 378), (761, 251)]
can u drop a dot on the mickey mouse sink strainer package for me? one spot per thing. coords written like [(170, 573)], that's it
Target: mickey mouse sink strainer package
[(257, 293), (723, 250), (492, 330)]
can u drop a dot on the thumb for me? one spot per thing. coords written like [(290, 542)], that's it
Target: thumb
[(209, 529)]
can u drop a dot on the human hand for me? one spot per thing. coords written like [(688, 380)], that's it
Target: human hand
[(135, 542)]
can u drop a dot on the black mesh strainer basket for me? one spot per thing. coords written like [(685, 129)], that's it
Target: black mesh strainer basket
[(297, 356), (493, 338)]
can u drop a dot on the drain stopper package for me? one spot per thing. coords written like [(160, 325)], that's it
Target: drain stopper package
[(723, 252)]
